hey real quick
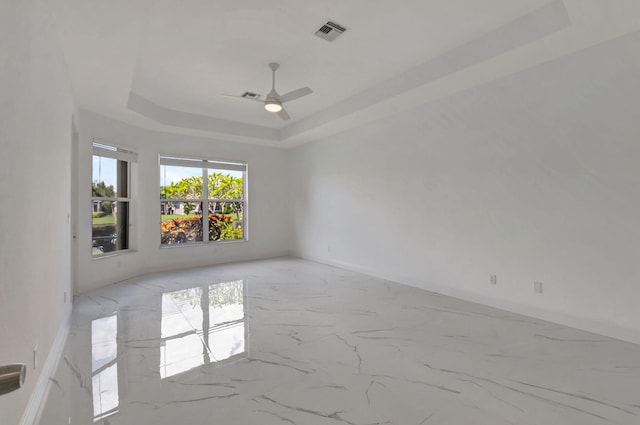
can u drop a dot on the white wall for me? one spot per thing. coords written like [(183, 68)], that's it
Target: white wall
[(532, 177), (36, 109), (268, 203)]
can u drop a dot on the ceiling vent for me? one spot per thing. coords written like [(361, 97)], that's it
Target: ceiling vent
[(250, 95), (330, 31)]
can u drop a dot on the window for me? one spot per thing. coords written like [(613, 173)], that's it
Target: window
[(191, 187), (110, 198)]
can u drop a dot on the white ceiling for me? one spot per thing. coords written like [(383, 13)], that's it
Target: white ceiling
[(162, 64)]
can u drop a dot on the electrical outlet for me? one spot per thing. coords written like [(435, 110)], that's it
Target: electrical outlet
[(35, 357), (493, 279), (537, 287)]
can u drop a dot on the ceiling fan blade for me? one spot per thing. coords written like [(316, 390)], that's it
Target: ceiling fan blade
[(243, 98), (283, 114), (295, 94)]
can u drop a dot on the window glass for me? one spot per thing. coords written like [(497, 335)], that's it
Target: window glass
[(225, 184), (109, 227), (105, 175)]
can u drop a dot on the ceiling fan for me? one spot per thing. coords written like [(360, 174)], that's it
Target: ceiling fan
[(273, 102)]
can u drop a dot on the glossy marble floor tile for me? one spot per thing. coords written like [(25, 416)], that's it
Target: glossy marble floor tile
[(288, 341)]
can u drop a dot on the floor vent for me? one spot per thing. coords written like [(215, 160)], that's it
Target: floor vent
[(330, 31)]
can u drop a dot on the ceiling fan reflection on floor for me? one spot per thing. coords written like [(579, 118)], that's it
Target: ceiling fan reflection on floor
[(273, 102)]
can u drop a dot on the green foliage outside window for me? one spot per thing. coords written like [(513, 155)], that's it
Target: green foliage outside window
[(225, 216)]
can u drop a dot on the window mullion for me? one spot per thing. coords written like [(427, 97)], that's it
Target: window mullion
[(191, 200), (226, 200), (99, 198), (205, 204)]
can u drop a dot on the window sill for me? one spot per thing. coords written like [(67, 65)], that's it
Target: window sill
[(113, 254), (213, 244)]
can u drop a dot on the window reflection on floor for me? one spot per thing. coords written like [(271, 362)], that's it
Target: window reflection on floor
[(104, 366), (201, 325)]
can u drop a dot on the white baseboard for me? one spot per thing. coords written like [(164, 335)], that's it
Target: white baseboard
[(31, 415), (587, 324)]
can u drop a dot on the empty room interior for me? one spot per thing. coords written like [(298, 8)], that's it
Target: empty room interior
[(415, 212)]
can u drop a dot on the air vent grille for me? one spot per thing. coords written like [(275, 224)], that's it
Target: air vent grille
[(250, 95), (330, 31)]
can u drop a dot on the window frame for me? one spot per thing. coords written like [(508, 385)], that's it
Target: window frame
[(201, 163), (120, 154)]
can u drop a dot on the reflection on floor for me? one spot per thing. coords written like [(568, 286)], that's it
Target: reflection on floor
[(184, 343), (187, 313), (288, 341)]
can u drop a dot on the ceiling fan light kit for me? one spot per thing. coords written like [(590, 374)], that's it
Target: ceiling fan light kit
[(272, 105)]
